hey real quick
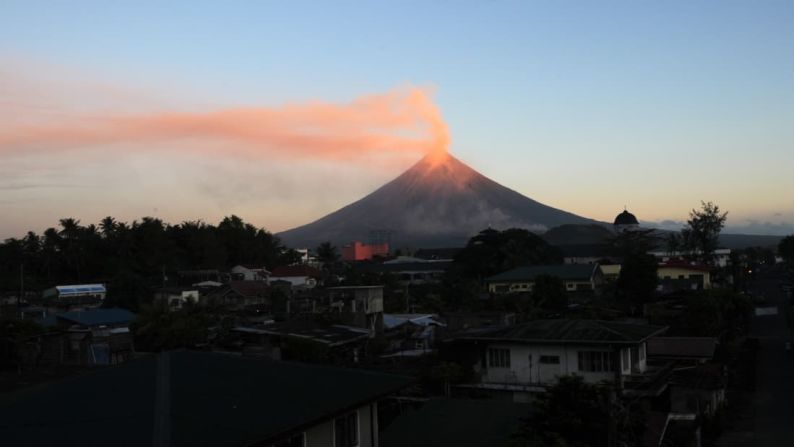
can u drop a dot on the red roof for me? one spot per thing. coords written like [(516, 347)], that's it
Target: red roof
[(295, 270)]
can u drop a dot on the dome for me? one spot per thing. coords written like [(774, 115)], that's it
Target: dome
[(626, 218)]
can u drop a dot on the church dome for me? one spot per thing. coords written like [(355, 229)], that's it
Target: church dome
[(626, 218)]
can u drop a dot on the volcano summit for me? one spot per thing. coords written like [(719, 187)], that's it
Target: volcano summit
[(439, 201)]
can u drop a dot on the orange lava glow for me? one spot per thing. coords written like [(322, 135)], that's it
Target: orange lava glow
[(402, 121)]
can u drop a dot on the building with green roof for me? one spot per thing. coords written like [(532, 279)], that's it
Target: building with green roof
[(575, 277)]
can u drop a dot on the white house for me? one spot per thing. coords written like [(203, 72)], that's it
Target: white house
[(249, 273), (527, 357), (176, 297)]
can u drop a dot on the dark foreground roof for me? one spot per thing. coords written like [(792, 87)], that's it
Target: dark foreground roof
[(451, 422), (568, 331), (582, 272), (215, 400)]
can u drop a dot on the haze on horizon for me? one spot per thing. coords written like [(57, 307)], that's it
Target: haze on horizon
[(282, 114)]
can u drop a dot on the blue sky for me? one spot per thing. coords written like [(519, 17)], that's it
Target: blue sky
[(586, 106)]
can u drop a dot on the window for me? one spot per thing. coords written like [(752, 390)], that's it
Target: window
[(550, 359), (292, 441), (642, 352), (498, 358), (346, 430), (626, 359), (595, 361)]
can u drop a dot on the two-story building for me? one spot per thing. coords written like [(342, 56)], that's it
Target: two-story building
[(528, 357), (575, 277), (681, 275), (360, 306)]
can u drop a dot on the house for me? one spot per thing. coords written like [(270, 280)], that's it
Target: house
[(358, 251), (681, 275), (611, 272), (300, 276), (527, 357), (459, 321), (249, 273), (185, 398), (241, 295), (721, 256), (85, 295), (575, 277), (176, 297), (412, 271), (360, 306), (304, 340), (95, 336), (411, 334), (694, 350)]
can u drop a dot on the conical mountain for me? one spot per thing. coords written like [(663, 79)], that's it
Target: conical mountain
[(440, 201)]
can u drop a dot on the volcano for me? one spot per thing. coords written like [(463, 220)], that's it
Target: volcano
[(438, 202)]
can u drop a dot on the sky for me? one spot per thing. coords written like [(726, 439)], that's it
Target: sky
[(135, 109)]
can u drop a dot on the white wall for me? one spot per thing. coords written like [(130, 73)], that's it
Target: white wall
[(322, 435), (521, 372)]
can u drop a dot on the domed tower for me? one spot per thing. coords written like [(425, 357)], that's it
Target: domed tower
[(626, 221)]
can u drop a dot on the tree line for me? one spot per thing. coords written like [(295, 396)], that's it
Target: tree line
[(130, 257)]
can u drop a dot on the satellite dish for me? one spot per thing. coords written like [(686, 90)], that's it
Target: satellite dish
[(311, 283)]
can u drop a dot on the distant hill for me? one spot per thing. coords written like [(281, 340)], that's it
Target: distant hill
[(438, 202), (578, 234), (598, 234)]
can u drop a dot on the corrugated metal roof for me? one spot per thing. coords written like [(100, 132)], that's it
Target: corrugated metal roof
[(568, 331)]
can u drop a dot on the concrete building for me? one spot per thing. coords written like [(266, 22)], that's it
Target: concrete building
[(359, 251), (528, 357)]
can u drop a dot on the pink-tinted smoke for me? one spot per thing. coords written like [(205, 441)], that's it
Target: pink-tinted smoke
[(402, 121)]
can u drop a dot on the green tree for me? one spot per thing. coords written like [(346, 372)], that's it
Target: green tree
[(702, 232), (549, 293), (638, 280), (572, 413), (492, 251), (327, 254)]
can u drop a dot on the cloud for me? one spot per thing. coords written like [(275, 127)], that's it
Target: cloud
[(398, 122)]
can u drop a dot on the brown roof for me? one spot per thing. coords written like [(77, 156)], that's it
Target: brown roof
[(682, 347), (250, 288)]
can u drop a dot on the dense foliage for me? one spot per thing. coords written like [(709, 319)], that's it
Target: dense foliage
[(131, 256), (491, 252)]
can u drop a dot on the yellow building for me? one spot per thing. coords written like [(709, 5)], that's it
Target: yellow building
[(681, 275)]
